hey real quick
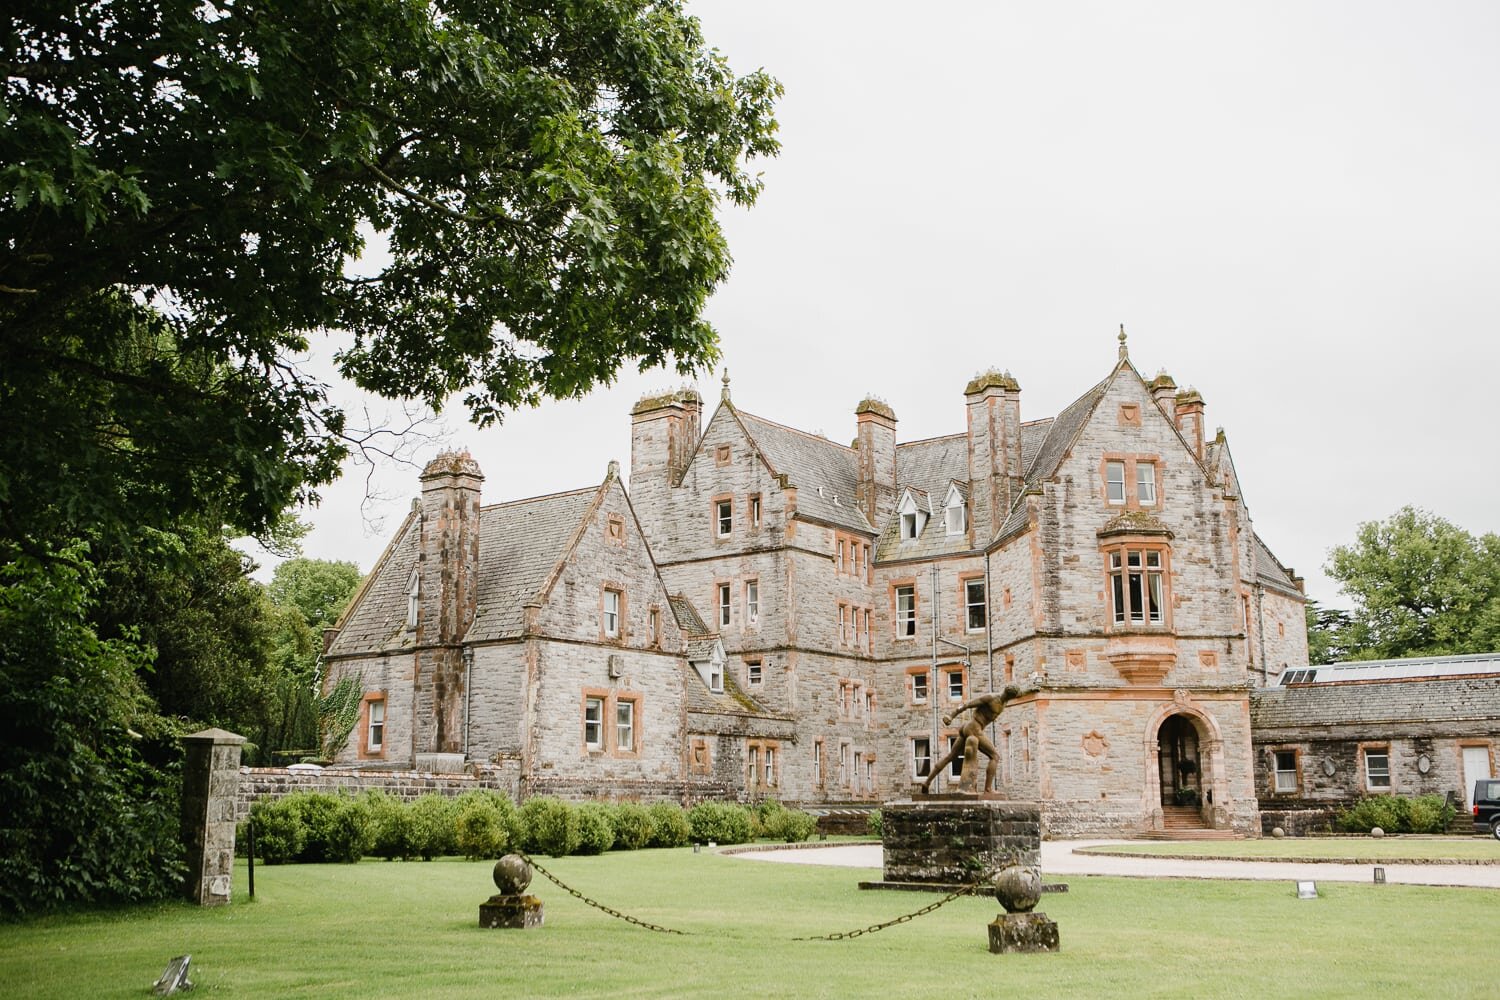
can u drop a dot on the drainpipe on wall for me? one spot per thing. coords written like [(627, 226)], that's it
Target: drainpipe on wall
[(989, 641), (1260, 633), (932, 684), (468, 694)]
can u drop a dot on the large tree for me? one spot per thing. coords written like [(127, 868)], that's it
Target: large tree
[(538, 180), (186, 190), (1422, 586)]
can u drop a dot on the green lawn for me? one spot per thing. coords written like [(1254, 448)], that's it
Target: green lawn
[(381, 929), (1358, 850)]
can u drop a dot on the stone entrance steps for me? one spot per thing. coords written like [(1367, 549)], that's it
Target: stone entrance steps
[(1185, 823)]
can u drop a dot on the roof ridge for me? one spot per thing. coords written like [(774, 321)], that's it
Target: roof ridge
[(935, 437), (543, 496)]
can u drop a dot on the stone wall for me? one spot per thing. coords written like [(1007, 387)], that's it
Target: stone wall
[(276, 782), (953, 841)]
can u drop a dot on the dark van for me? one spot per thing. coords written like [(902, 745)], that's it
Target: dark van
[(1487, 806)]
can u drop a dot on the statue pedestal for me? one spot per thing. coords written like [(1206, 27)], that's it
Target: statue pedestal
[(1022, 932), (954, 839), (500, 910)]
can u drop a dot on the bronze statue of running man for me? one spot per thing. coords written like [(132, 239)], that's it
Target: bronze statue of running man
[(986, 709)]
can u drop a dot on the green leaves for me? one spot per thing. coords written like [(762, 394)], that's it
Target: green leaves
[(1422, 586)]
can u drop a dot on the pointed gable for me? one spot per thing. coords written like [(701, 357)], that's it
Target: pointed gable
[(375, 620)]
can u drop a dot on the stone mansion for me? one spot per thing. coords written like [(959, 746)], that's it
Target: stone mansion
[(771, 613)]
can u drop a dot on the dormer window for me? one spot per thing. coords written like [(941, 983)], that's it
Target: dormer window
[(413, 599), (913, 517), (955, 513)]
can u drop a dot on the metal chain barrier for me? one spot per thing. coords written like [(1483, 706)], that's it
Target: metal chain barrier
[(595, 903), (967, 890)]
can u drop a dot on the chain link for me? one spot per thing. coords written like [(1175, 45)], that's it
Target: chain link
[(965, 890), (595, 903)]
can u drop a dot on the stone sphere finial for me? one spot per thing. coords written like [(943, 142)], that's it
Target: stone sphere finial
[(1018, 888), (512, 875)]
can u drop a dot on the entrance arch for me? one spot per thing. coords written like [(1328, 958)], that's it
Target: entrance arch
[(1184, 755)]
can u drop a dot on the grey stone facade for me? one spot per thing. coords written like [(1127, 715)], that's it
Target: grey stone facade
[(858, 593)]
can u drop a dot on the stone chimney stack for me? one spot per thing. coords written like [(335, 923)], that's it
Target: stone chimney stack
[(875, 453), (448, 596), (993, 399), (1189, 410), (664, 431), (1164, 391)]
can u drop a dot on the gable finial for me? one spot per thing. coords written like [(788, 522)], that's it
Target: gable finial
[(1123, 353), (725, 394)]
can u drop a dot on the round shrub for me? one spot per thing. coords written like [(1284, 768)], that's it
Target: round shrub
[(596, 828), (633, 826), (390, 825), (549, 827), (431, 818), (319, 815), (791, 825), (485, 824), (279, 833), (765, 818), (349, 833), (669, 825), (721, 822)]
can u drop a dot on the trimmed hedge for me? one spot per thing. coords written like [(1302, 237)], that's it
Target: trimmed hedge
[(1396, 814), (720, 822)]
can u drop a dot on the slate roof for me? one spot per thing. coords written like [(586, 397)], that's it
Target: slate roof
[(810, 462), (1270, 572), (1418, 700), (928, 468), (376, 618), (687, 616), (520, 543)]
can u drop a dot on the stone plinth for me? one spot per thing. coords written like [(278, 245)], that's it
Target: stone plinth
[(956, 839), (1022, 932), (210, 782), (523, 912)]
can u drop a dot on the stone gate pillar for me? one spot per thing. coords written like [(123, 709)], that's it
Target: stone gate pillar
[(210, 779)]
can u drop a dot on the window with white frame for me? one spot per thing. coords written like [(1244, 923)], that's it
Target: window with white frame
[(375, 726), (1145, 483), (752, 602), (955, 685), (1137, 586), (653, 623), (906, 612), (725, 604), (753, 674), (771, 767), (754, 510), (974, 605), (817, 762), (909, 525), (593, 723), (870, 772), (612, 613), (956, 765), (1378, 768), (921, 756), (1286, 772), (723, 518), (919, 688), (1114, 481), (715, 674), (625, 725), (413, 599), (844, 764), (954, 519)]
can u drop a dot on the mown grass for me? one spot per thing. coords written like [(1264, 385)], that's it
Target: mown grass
[(381, 929), (1356, 850)]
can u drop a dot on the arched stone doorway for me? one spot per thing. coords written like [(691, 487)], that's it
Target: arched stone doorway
[(1179, 762), (1184, 767)]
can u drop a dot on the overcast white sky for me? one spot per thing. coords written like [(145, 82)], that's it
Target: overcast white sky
[(1293, 207)]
